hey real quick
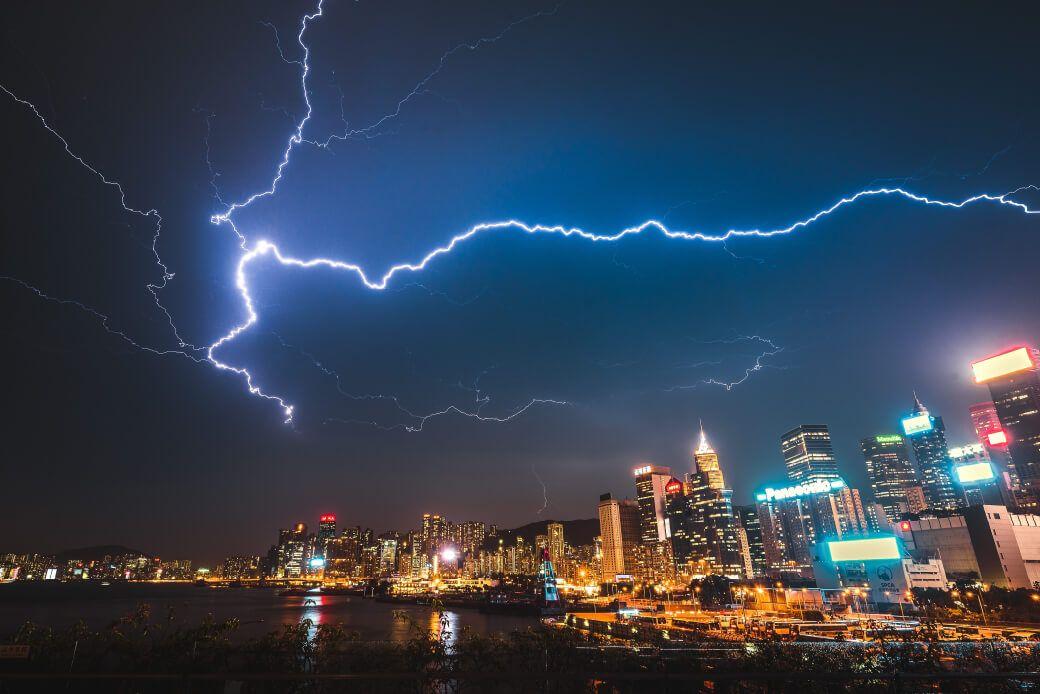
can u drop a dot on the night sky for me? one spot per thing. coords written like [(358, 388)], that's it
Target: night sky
[(594, 115)]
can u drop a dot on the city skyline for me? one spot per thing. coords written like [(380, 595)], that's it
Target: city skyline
[(150, 180)]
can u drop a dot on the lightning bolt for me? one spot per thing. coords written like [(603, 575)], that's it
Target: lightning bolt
[(770, 350), (103, 319), (545, 491), (263, 249), (151, 214)]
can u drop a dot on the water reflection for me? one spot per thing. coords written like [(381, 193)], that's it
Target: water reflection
[(312, 605), (444, 626)]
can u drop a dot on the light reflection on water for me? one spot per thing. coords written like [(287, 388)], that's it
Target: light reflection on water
[(312, 605), (259, 611)]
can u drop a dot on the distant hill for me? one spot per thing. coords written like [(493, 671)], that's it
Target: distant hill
[(97, 552), (575, 532)]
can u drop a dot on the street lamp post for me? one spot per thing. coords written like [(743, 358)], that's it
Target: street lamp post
[(982, 608)]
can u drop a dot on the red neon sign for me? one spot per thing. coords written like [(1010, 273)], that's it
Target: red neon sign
[(328, 518)]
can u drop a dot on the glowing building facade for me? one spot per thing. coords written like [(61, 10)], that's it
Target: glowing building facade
[(891, 474), (650, 483), (808, 453), (619, 530), (928, 438), (1014, 385)]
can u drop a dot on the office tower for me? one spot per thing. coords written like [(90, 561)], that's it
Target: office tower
[(808, 454), (979, 478), (706, 537), (928, 438), (292, 551), (794, 518), (706, 460), (650, 482), (619, 528), (471, 536), (326, 529), (985, 420), (388, 555), (434, 534), (991, 434), (556, 544), (890, 472), (1014, 385), (747, 516)]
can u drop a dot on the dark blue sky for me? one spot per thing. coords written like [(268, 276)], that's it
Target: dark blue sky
[(596, 115)]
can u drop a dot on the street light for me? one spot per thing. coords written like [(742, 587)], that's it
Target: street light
[(982, 608)]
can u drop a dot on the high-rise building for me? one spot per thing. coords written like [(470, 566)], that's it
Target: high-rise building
[(793, 519), (557, 548), (990, 433), (985, 421), (979, 478), (747, 516), (434, 534), (619, 528), (890, 472), (326, 530), (650, 482), (928, 439), (292, 551), (1013, 379), (705, 534), (808, 454), (471, 536), (706, 461)]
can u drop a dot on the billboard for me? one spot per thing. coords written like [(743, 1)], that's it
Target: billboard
[(1003, 364), (869, 549), (815, 487), (917, 424), (973, 473), (997, 438)]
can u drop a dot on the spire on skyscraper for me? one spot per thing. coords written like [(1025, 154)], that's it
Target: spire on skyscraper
[(919, 407), (704, 447)]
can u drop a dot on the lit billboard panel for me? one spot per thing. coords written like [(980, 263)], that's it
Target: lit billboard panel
[(870, 549), (975, 472), (1005, 364), (917, 424), (997, 438)]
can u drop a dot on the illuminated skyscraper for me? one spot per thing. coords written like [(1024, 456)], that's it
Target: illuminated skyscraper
[(928, 438), (890, 471), (326, 529), (991, 434), (747, 516), (650, 482), (706, 461), (434, 534), (1014, 385), (619, 529), (985, 420), (979, 478), (792, 519), (556, 544), (808, 453)]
